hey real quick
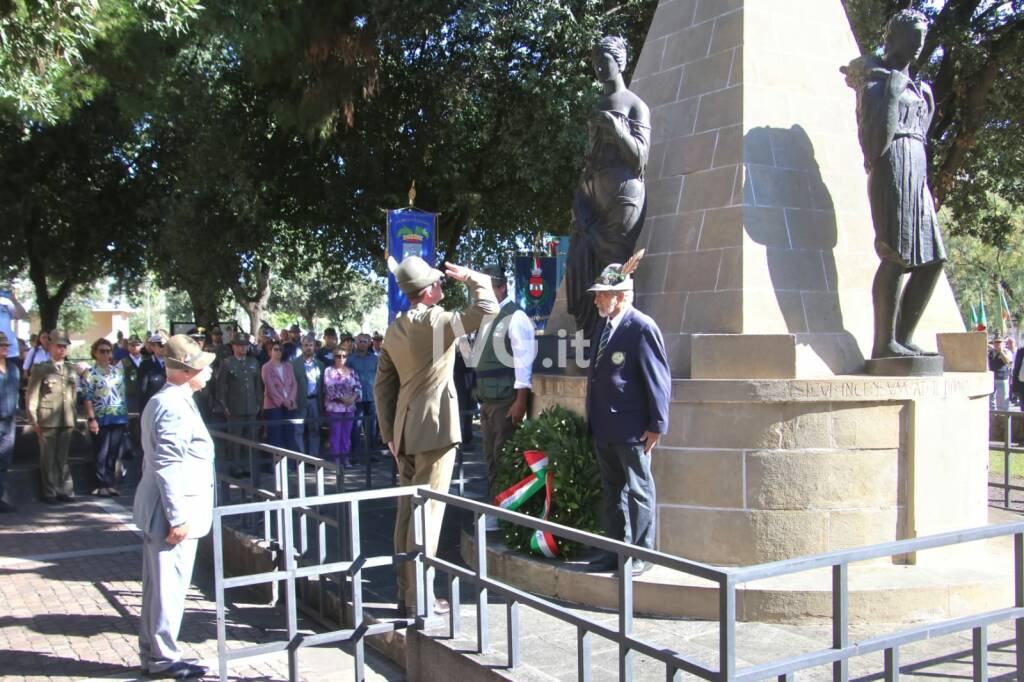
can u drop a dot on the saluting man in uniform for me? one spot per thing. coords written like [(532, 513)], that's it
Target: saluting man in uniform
[(240, 391), (173, 506), (50, 402), (628, 389), (416, 403)]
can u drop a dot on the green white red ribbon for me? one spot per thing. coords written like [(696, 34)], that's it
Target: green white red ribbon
[(511, 499)]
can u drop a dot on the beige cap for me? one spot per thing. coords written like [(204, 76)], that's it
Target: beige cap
[(182, 352), (413, 274)]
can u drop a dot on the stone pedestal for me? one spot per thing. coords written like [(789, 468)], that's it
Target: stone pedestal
[(761, 470)]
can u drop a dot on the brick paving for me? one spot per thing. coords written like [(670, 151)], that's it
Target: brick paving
[(70, 588)]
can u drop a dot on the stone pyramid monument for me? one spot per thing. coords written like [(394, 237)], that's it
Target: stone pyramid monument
[(758, 224)]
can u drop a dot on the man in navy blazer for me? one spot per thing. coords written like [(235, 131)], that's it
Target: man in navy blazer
[(628, 389)]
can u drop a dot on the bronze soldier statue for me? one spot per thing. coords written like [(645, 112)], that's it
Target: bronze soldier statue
[(894, 111)]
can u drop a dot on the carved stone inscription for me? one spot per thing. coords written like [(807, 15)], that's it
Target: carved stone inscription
[(881, 389)]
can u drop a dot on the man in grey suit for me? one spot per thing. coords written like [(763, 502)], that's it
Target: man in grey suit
[(173, 505)]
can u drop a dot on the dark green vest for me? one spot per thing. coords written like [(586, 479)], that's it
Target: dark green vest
[(495, 381)]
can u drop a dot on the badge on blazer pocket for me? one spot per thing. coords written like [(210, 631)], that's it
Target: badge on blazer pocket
[(618, 357)]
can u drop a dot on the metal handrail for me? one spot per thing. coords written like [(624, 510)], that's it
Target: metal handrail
[(727, 579)]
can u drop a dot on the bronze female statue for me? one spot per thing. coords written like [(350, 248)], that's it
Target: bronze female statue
[(894, 111), (610, 201)]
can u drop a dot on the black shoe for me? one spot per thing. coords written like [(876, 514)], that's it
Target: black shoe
[(179, 670), (65, 498), (7, 508), (50, 500), (603, 564)]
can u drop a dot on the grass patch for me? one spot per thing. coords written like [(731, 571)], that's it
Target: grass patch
[(995, 463)]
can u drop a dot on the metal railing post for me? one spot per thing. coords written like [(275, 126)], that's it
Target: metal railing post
[(979, 653), (840, 614), (1018, 601), (480, 530), (218, 582), (512, 630), (288, 542), (583, 646), (357, 588), (455, 601), (892, 664), (726, 629), (625, 617), (419, 544), (1007, 441)]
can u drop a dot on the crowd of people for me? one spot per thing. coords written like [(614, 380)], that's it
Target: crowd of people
[(284, 387)]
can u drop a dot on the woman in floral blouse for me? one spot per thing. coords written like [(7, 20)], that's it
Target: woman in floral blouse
[(342, 390), (103, 390)]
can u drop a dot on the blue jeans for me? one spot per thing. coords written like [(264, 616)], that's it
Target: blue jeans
[(365, 422), (7, 432)]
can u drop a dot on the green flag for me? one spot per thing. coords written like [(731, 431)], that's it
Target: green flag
[(983, 315), (974, 317)]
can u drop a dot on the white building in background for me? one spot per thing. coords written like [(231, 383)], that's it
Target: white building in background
[(107, 319)]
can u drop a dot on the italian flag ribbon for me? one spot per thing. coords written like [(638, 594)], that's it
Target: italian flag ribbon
[(511, 499)]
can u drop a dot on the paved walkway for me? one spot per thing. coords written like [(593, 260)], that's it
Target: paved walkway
[(71, 592)]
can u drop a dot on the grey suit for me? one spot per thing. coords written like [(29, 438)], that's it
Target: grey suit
[(176, 487)]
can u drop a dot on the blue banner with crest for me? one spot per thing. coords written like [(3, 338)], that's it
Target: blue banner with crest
[(411, 232)]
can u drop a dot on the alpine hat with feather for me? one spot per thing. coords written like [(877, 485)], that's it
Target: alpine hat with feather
[(617, 277)]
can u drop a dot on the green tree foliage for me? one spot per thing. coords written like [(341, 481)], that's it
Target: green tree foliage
[(326, 290), (977, 269), (68, 204), (43, 42), (973, 56)]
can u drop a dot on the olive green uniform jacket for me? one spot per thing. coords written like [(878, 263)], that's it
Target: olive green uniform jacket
[(240, 386), (50, 397), (416, 402)]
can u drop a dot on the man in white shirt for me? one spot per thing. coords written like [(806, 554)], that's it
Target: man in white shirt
[(504, 373)]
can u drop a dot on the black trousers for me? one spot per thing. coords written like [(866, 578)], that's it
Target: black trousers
[(107, 447), (628, 495)]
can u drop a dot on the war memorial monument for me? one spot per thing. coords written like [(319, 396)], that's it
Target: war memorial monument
[(818, 401)]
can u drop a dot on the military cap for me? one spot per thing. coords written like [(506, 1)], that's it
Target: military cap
[(240, 339), (182, 352), (157, 337), (413, 274), (3, 340), (378, 335), (496, 273), (59, 338), (612, 279), (134, 340)]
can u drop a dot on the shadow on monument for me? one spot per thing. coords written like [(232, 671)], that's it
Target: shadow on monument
[(783, 173)]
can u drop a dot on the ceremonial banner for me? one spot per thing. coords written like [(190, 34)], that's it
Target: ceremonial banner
[(411, 232), (536, 284), (511, 499)]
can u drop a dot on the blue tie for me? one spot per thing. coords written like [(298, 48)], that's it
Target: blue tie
[(603, 342)]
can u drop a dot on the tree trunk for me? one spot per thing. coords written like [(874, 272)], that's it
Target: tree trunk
[(49, 304), (253, 304), (204, 308)]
